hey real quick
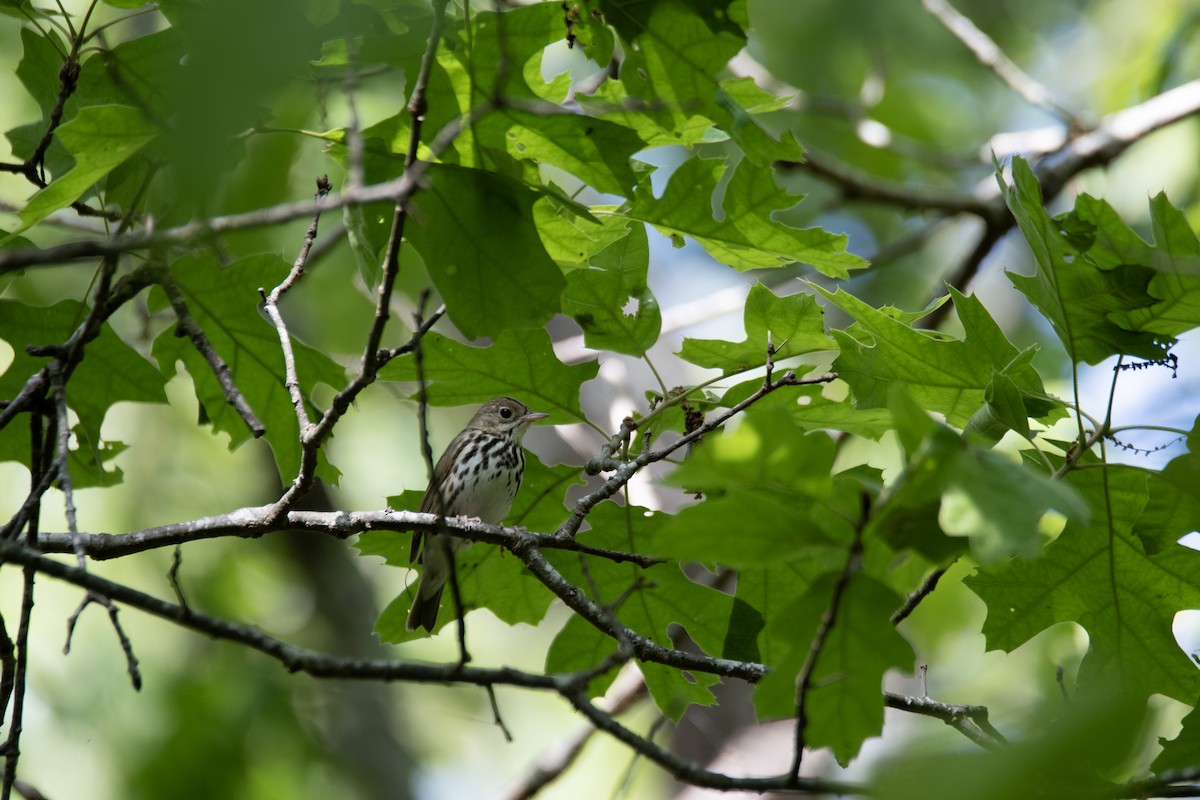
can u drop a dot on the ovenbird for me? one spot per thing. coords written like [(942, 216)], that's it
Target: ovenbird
[(477, 478)]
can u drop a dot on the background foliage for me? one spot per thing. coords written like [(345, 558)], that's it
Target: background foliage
[(960, 457)]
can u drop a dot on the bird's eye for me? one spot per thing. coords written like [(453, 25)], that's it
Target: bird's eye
[(506, 412)]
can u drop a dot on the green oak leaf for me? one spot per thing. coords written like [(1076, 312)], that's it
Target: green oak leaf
[(971, 489), (673, 60), (811, 409), (41, 60), (516, 36), (476, 234), (844, 703), (744, 236), (521, 364), (224, 302), (1099, 576), (670, 89), (772, 498), (595, 151), (1176, 286), (1076, 295), (100, 138), (88, 462), (1173, 506), (795, 324), (612, 304), (570, 238), (949, 376), (110, 372)]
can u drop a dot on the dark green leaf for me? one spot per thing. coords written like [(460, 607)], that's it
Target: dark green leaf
[(1073, 293), (111, 372), (476, 233), (844, 701), (100, 138), (949, 376), (1100, 577), (224, 302), (594, 151)]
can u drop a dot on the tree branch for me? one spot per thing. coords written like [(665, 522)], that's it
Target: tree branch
[(985, 49)]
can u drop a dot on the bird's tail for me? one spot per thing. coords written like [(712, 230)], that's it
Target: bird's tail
[(435, 560)]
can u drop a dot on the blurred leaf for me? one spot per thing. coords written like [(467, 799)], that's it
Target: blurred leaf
[(1180, 752), (41, 58), (1063, 757)]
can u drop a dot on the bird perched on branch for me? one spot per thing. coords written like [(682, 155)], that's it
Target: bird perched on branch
[(477, 477)]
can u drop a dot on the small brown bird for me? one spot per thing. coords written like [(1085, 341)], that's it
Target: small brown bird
[(477, 477)]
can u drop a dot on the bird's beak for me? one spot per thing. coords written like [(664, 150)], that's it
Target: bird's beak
[(532, 417)]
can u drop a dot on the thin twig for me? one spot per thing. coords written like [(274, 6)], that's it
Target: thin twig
[(271, 306), (435, 486), (131, 662), (971, 721), (40, 447), (499, 720), (985, 49), (913, 600), (8, 667), (173, 577)]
